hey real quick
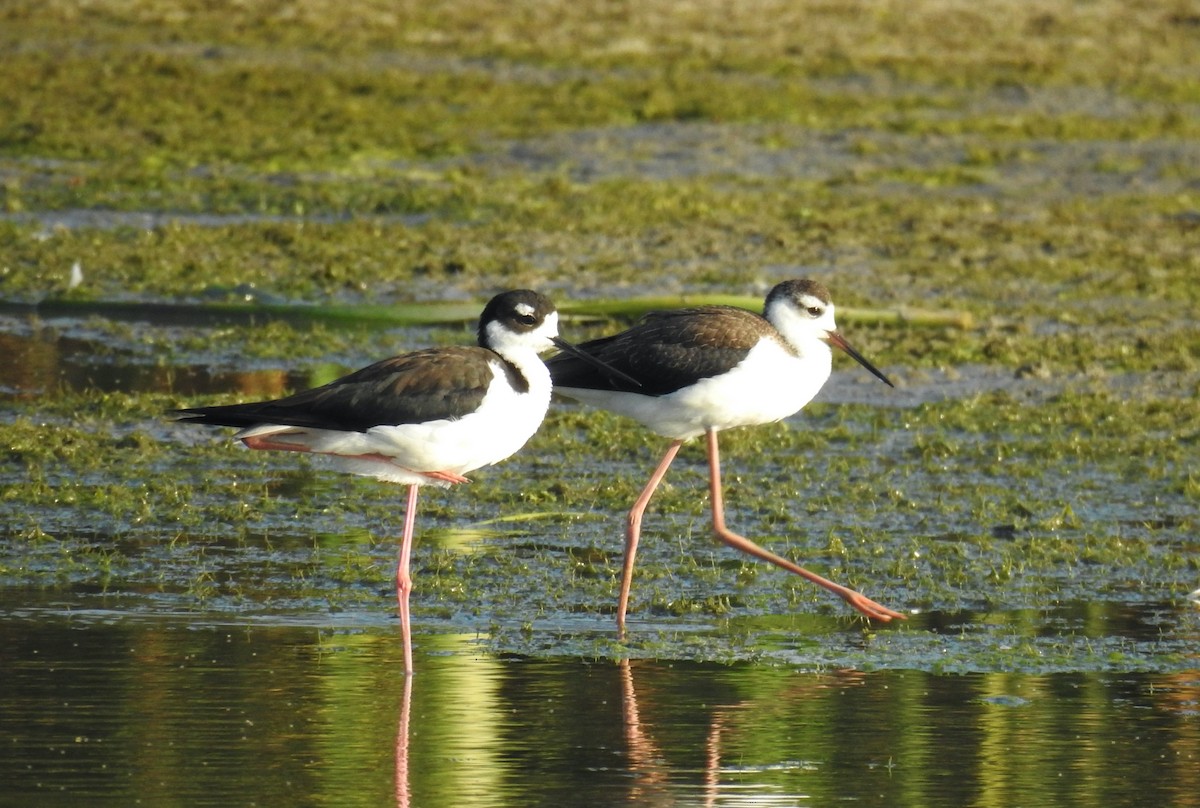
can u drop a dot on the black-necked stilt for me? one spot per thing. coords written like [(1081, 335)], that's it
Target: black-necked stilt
[(423, 418), (710, 368)]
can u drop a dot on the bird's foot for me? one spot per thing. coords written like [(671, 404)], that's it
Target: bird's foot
[(871, 609), (445, 476)]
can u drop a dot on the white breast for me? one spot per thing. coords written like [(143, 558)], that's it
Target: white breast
[(502, 424), (769, 384)]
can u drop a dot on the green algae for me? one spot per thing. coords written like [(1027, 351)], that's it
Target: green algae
[(949, 518), (1143, 243), (360, 83), (325, 130), (362, 155)]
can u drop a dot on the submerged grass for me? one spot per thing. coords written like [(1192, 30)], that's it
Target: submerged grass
[(972, 507), (1031, 165)]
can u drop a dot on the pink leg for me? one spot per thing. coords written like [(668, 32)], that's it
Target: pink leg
[(267, 442), (270, 442), (634, 531), (439, 476), (863, 604), (444, 476), (403, 578)]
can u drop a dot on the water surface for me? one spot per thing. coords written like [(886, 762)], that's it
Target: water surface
[(123, 710), (185, 623)]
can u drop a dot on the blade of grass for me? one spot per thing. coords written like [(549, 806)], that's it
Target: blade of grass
[(436, 313)]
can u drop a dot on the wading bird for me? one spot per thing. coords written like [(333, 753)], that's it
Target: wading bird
[(423, 418), (701, 370)]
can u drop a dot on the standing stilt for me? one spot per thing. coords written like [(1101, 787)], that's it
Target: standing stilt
[(421, 418), (694, 371)]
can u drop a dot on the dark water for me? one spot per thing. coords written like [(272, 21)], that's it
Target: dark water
[(120, 710), (133, 691), (42, 356)]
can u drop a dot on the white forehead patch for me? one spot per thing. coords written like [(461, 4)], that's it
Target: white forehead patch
[(524, 309), (810, 301)]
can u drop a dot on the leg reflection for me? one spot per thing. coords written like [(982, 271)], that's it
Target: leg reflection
[(403, 794), (645, 757), (646, 761)]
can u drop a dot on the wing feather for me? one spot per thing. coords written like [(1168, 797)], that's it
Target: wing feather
[(665, 351), (428, 385)]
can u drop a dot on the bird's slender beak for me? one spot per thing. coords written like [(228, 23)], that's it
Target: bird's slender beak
[(567, 347), (837, 339)]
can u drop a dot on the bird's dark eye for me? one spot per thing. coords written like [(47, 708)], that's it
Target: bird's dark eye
[(526, 319), (815, 311)]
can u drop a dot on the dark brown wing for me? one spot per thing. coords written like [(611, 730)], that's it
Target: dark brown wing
[(427, 385), (666, 350)]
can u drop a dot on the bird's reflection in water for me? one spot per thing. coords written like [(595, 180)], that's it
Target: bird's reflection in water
[(652, 782), (656, 782), (547, 730), (403, 793), (645, 757)]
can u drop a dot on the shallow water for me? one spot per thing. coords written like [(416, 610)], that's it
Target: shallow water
[(184, 622), (125, 710), (239, 647)]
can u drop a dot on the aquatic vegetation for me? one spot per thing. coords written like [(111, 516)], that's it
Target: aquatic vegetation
[(360, 157)]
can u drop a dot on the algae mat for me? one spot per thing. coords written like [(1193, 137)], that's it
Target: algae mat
[(1028, 493)]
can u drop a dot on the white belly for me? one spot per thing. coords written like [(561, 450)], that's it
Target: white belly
[(770, 384), (501, 425)]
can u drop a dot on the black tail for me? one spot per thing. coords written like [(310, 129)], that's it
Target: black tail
[(238, 415)]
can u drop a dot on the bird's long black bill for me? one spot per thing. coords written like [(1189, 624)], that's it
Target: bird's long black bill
[(611, 371), (837, 339)]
